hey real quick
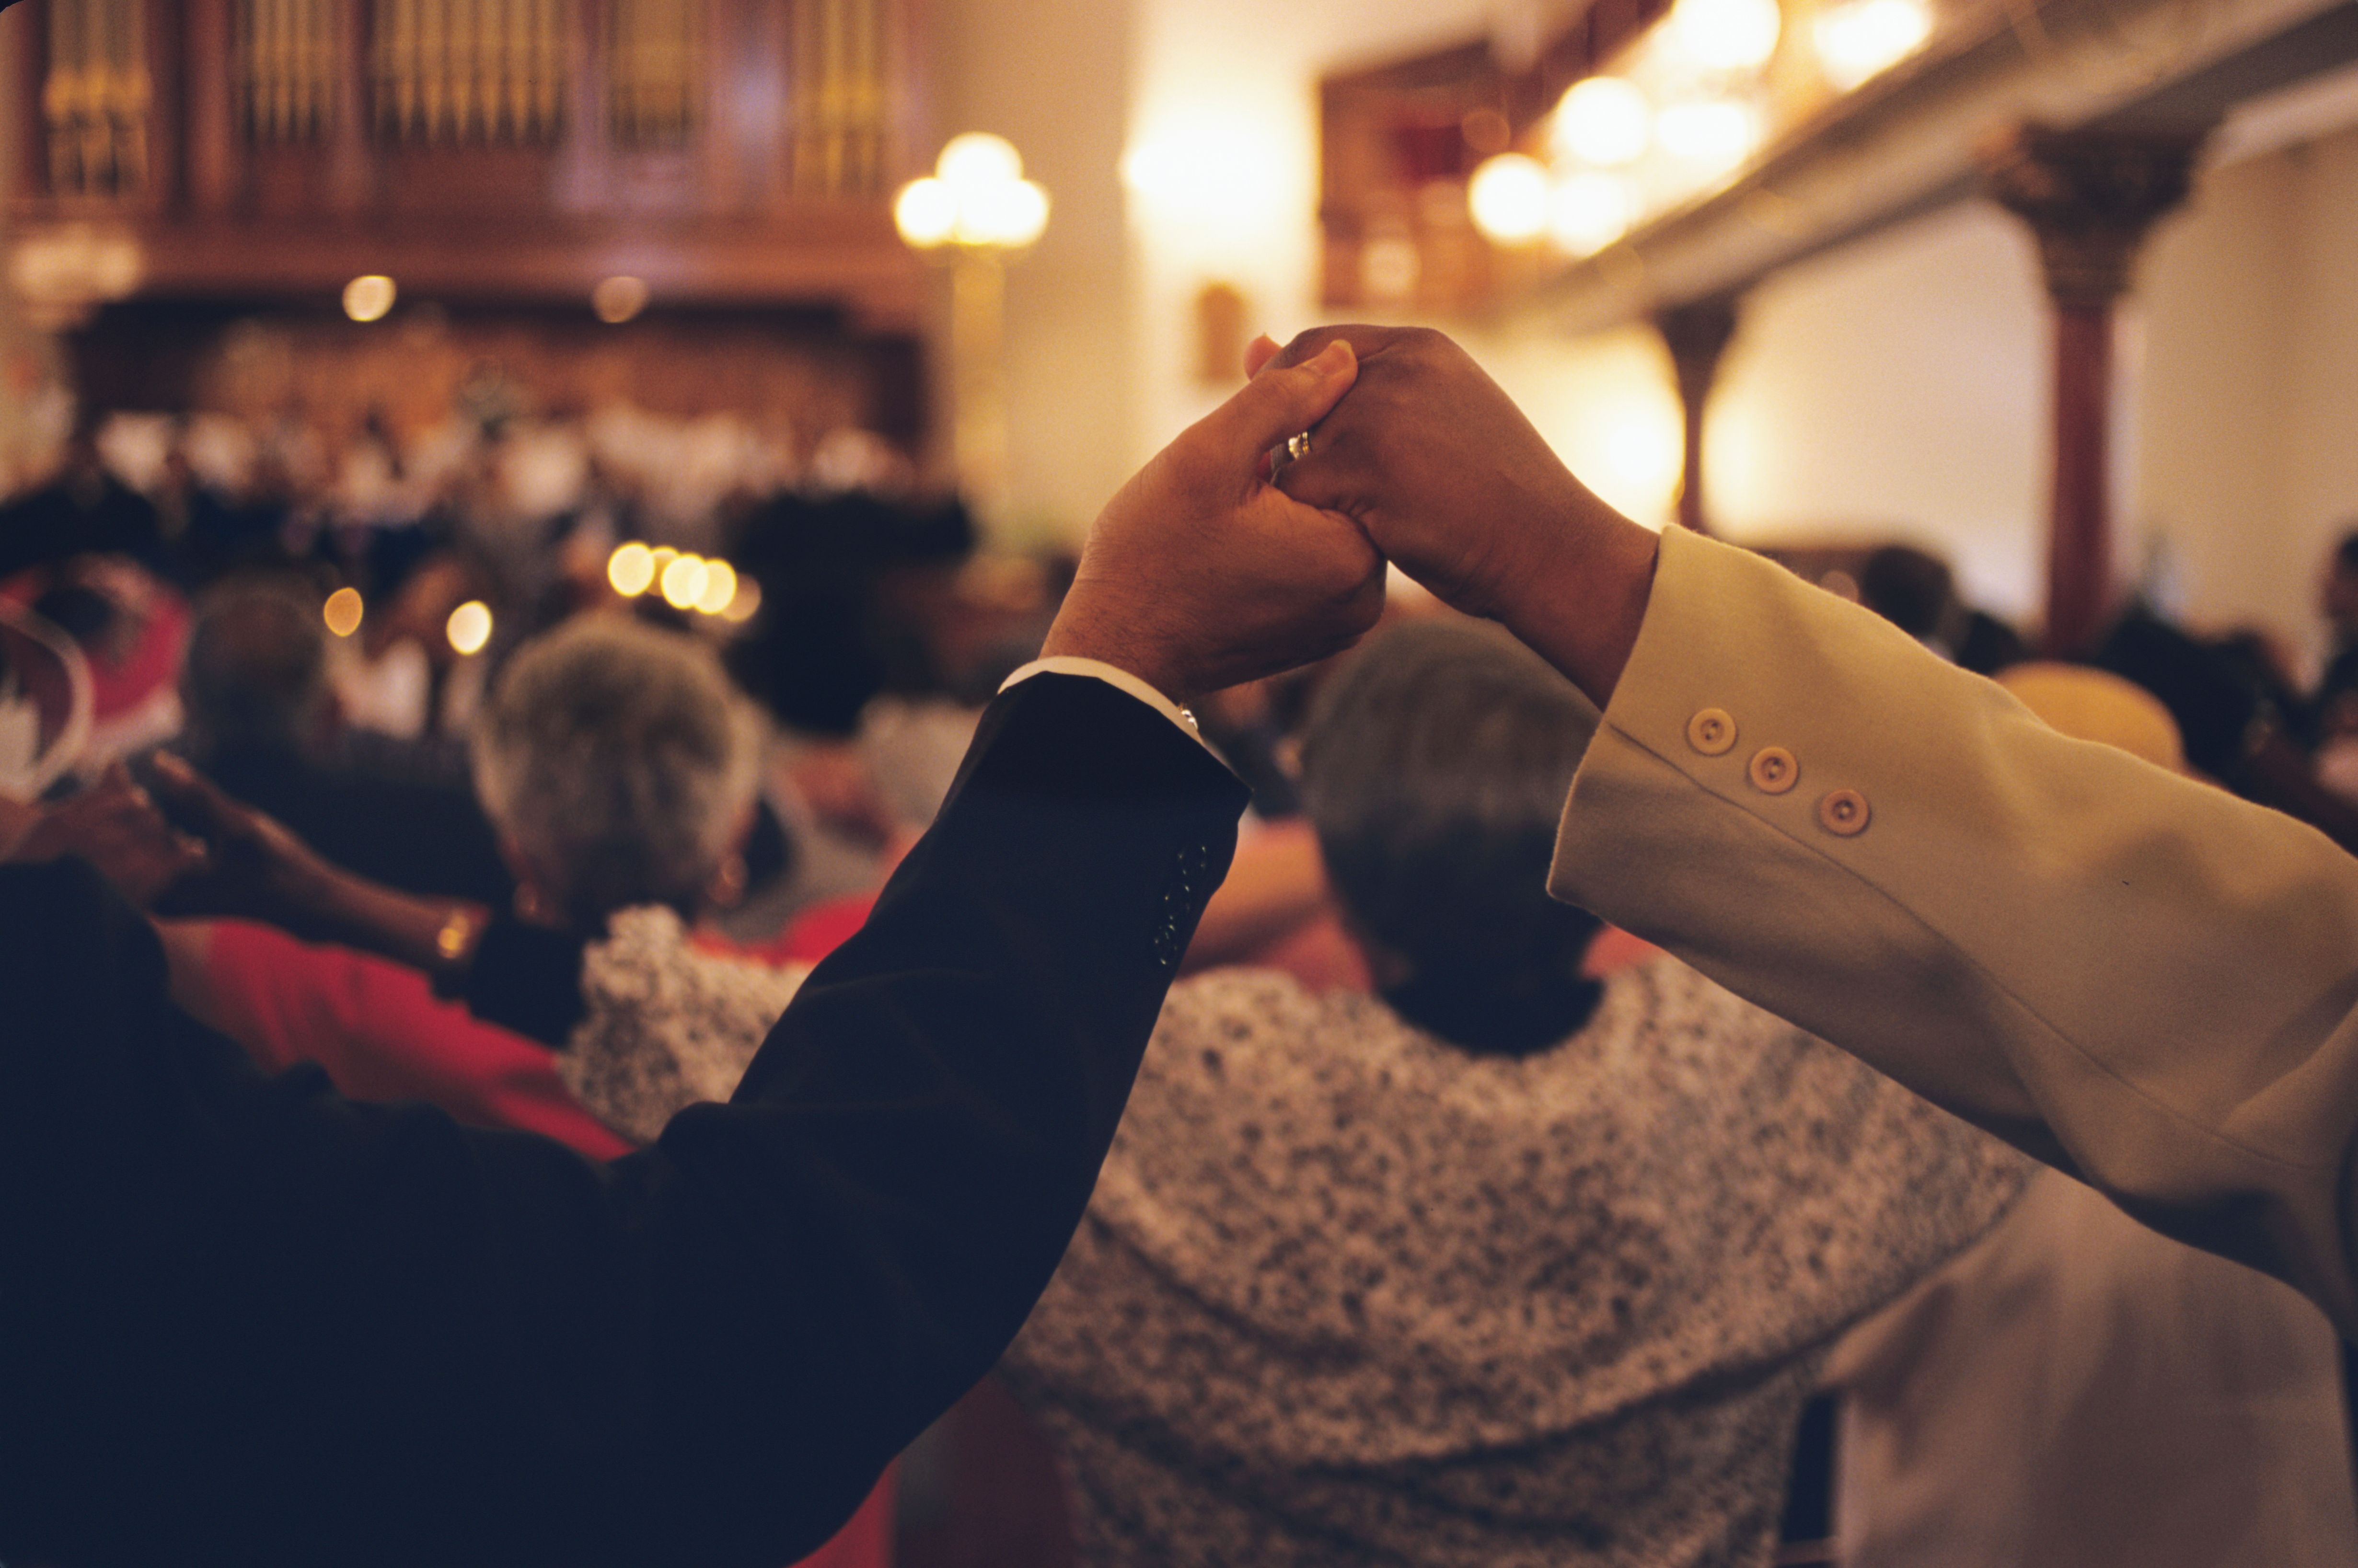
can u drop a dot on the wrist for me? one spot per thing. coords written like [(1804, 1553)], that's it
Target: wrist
[(1580, 598), (1088, 635)]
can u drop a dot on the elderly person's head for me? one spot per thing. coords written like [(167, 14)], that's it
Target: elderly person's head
[(620, 768), (255, 676), (1434, 771)]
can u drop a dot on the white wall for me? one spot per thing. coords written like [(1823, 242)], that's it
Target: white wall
[(1052, 77), (2249, 462), (1225, 111), (1896, 388)]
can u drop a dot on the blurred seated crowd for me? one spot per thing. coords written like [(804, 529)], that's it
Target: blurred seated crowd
[(1445, 1226)]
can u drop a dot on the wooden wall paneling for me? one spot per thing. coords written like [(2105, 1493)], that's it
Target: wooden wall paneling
[(768, 108), (214, 160), (584, 172), (26, 29), (719, 130), (352, 174), (910, 132)]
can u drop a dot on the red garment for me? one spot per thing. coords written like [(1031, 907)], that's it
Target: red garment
[(381, 1033), (817, 931)]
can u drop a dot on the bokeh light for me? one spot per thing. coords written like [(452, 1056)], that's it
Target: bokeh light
[(370, 297), (1867, 37), (926, 212), (1508, 198), (469, 627), (977, 158), (720, 587), (343, 612), (1603, 121), (683, 581), (1713, 133), (1725, 35), (976, 196), (617, 299), (630, 570)]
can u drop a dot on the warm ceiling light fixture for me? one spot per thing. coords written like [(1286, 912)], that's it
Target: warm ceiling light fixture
[(1713, 133), (369, 297), (1725, 35), (617, 299), (1867, 37), (1605, 121), (976, 196), (1508, 199)]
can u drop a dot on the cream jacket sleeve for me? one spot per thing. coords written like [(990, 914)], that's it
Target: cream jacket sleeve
[(2141, 980)]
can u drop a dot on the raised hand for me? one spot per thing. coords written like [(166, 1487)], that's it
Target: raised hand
[(1199, 574), (254, 867), (116, 827), (1453, 483)]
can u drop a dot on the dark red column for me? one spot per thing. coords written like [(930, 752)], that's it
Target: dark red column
[(2090, 198)]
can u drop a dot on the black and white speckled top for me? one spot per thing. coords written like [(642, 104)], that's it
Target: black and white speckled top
[(1346, 1294)]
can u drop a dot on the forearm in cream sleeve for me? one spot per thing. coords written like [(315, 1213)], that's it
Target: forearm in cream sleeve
[(2134, 976)]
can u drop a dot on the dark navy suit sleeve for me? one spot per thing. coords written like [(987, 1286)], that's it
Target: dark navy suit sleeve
[(243, 1319)]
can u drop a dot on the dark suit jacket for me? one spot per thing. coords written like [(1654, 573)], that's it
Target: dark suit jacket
[(245, 1321)]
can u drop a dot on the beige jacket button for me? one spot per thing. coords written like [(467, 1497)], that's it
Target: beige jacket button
[(1710, 732), (1773, 770), (1844, 813)]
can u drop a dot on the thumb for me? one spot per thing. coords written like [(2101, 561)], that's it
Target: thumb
[(1279, 403)]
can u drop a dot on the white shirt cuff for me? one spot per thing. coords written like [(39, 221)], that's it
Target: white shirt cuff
[(1118, 678)]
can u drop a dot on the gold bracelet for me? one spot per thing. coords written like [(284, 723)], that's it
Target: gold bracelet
[(457, 938)]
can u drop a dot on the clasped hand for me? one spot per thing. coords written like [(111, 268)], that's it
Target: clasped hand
[(1203, 572)]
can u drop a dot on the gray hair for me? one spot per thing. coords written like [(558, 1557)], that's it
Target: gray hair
[(1435, 770), (619, 760)]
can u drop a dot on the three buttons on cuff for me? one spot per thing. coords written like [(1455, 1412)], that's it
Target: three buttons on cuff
[(1774, 770)]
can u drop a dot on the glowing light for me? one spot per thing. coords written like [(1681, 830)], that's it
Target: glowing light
[(979, 158), (1715, 132), (683, 581), (746, 605), (469, 627), (926, 212), (1867, 37), (1725, 35), (369, 298), (617, 299), (343, 612), (1603, 121), (1589, 212), (1012, 214), (1509, 197), (978, 196), (720, 587), (630, 570)]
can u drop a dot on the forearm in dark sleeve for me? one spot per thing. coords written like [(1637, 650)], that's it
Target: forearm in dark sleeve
[(253, 1320)]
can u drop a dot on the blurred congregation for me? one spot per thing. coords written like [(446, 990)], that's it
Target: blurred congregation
[(513, 516)]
